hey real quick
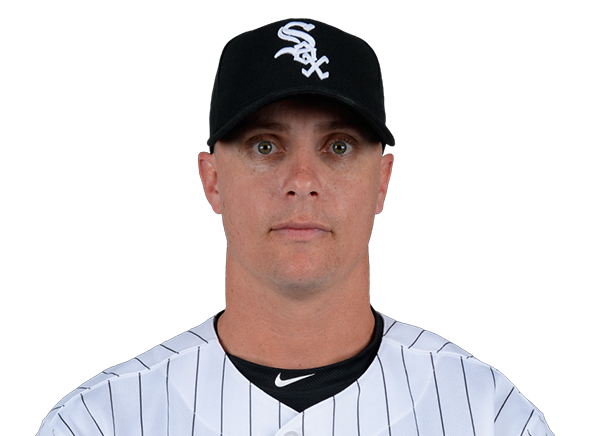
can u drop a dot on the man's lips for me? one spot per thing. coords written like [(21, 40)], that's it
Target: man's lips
[(301, 230), (301, 226)]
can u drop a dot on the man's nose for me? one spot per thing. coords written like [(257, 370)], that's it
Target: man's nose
[(303, 175)]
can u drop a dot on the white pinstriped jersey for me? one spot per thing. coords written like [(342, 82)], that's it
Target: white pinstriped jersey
[(419, 384)]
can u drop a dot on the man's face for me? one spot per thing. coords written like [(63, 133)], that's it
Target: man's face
[(298, 185)]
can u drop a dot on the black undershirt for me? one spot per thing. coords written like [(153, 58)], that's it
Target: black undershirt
[(326, 382)]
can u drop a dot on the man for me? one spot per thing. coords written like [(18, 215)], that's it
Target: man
[(297, 172)]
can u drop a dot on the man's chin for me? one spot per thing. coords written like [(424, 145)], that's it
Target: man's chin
[(301, 283)]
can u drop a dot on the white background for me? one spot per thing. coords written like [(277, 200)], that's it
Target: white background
[(578, 118)]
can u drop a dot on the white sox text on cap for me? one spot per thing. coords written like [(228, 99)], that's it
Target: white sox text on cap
[(295, 57)]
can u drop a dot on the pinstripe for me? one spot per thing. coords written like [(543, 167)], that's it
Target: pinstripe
[(505, 400), (108, 373), (390, 327), (387, 407), (168, 400), (280, 414), (222, 387), (90, 413), (302, 423), (146, 366), (442, 347), (528, 419), (437, 391), (197, 335), (467, 392), (141, 415), (65, 423), (358, 409), (415, 341), (493, 377), (196, 391), (112, 408), (171, 350), (409, 389), (333, 419)]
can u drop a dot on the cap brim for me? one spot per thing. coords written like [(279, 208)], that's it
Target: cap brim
[(380, 129)]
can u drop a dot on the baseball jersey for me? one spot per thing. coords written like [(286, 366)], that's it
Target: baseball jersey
[(418, 384)]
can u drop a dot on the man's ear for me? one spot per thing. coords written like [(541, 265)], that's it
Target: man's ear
[(385, 172), (208, 173)]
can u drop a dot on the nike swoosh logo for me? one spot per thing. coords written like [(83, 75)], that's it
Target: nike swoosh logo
[(281, 383)]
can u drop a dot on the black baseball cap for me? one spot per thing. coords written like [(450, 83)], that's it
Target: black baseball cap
[(296, 57)]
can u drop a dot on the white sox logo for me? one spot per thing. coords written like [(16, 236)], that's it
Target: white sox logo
[(304, 51)]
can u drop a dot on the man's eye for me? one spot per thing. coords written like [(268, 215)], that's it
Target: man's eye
[(340, 147), (264, 147)]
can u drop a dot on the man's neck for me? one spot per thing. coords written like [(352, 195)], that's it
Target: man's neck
[(274, 329)]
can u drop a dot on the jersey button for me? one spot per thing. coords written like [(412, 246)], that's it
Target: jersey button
[(291, 433)]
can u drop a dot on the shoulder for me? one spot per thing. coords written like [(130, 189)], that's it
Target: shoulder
[(440, 375), (428, 360), (415, 344), (418, 339), (94, 400)]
